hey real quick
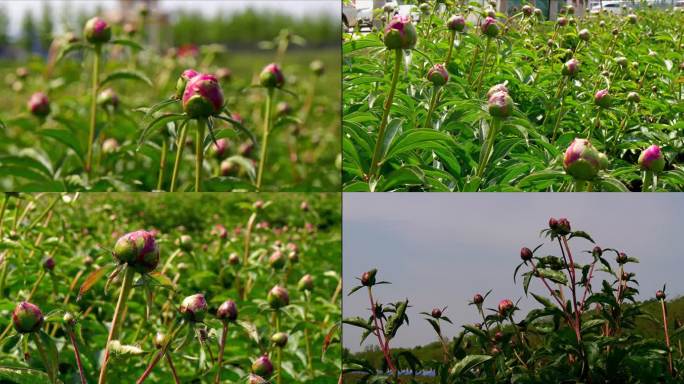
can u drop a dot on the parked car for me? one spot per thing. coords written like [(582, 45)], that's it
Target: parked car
[(357, 13), (610, 6)]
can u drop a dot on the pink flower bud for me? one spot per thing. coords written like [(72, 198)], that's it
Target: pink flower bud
[(456, 23), (278, 297), (27, 317), (39, 104), (651, 159), (400, 33), (602, 98), (262, 367), (272, 76), (562, 21), (500, 105), (306, 283), (203, 96), (490, 27), (438, 75), (497, 88), (97, 31), (570, 68), (138, 249), (582, 161), (227, 311), (660, 295), (183, 81), (505, 307), (108, 99), (436, 313), (526, 254), (478, 299), (194, 308)]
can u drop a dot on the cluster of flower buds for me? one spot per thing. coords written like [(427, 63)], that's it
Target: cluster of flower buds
[(560, 227), (138, 249), (400, 33)]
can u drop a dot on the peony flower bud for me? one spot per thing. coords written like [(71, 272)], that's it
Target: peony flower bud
[(39, 104), (456, 23), (108, 99), (224, 74), (497, 88), (570, 10), (526, 254), (621, 258), (227, 311), (277, 260), (220, 147), (582, 161), (183, 81), (138, 249), (228, 167), (256, 379), (262, 367), (621, 61), (400, 33), (27, 317), (505, 307), (234, 259), (500, 105), (562, 21), (22, 72), (159, 340), (68, 319), (283, 108), (651, 159), (633, 97), (49, 264), (368, 278), (597, 251), (660, 295), (185, 243), (272, 76), (632, 18), (602, 98), (203, 96), (306, 283), (478, 299), (97, 31), (279, 339), (489, 27), (538, 13), (438, 75), (194, 308), (570, 68), (424, 8), (584, 34), (110, 145), (278, 297), (436, 313), (527, 10), (317, 67), (130, 29)]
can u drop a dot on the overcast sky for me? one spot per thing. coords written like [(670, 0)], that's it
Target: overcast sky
[(440, 249), (17, 8)]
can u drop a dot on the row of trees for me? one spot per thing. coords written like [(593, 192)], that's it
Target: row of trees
[(240, 28)]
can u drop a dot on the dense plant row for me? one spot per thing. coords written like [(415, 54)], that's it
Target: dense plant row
[(469, 99), (583, 332), (106, 113), (110, 288)]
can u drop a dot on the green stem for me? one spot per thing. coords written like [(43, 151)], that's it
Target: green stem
[(176, 379), (44, 357), (162, 163), (93, 106), (484, 66), (126, 286), (172, 334), (580, 185), (280, 350), (560, 110), (451, 47), (77, 355), (180, 145), (222, 345), (433, 102), (3, 209), (41, 275), (309, 360), (489, 145), (472, 63), (199, 153), (264, 140), (383, 123), (648, 182)]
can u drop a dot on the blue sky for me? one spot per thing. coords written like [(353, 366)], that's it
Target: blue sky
[(16, 8), (440, 249)]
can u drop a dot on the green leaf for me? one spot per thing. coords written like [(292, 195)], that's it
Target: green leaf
[(127, 43), (71, 47), (160, 122), (65, 137), (48, 352), (581, 234), (92, 278), (20, 375), (467, 363), (126, 74), (425, 139)]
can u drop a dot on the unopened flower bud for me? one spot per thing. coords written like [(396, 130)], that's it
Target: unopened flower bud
[(224, 74), (584, 34), (49, 264), (436, 313), (456, 23), (368, 278), (562, 21), (438, 75), (234, 259), (527, 10), (490, 27), (183, 81), (39, 104), (279, 339), (97, 31), (317, 67), (602, 98), (185, 243), (306, 283), (227, 311), (138, 249), (68, 319), (262, 367), (272, 76), (500, 105), (278, 297), (651, 159), (570, 68), (194, 308), (108, 99), (660, 295), (621, 258), (526, 254), (27, 317), (203, 96), (505, 307), (159, 340), (582, 161), (632, 18), (597, 251), (633, 97), (277, 260), (478, 299), (400, 33)]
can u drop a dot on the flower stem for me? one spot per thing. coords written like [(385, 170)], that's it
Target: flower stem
[(159, 355), (489, 144), (667, 336), (77, 355), (480, 77), (180, 145), (3, 209), (265, 134), (451, 47), (172, 367), (162, 164), (280, 349), (199, 153), (433, 102), (126, 286), (648, 182), (383, 123), (309, 360), (383, 345), (93, 106), (44, 357), (222, 345)]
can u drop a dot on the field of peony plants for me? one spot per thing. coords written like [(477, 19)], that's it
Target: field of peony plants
[(588, 327), (169, 288), (468, 99), (104, 112)]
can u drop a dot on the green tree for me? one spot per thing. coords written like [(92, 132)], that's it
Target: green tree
[(28, 31), (46, 26), (4, 22)]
